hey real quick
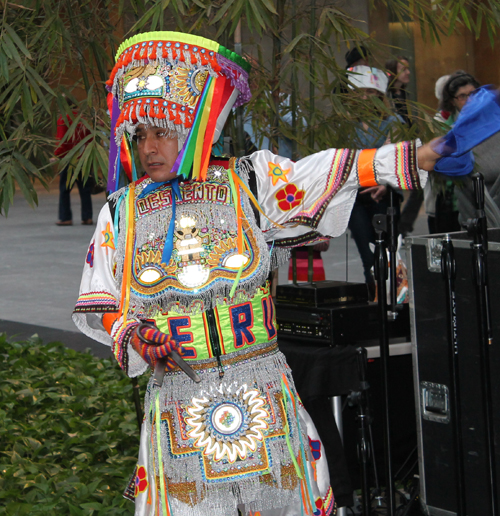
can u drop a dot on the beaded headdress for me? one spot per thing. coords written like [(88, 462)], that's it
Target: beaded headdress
[(184, 83)]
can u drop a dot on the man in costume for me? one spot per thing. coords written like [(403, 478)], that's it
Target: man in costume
[(187, 249)]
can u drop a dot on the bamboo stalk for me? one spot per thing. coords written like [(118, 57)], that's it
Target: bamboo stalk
[(294, 82), (312, 89)]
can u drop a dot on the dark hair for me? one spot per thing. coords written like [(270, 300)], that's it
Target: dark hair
[(452, 85), (392, 68), (355, 54)]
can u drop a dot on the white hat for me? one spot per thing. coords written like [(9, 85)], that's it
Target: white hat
[(367, 77), (438, 90)]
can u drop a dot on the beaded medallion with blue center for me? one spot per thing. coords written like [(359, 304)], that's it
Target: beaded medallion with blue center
[(228, 420), (230, 426)]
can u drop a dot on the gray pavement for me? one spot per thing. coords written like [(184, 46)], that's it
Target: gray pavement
[(41, 265)]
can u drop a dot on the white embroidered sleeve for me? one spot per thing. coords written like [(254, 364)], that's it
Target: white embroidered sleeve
[(313, 197), (100, 294)]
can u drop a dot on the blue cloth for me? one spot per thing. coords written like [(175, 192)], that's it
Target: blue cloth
[(455, 166), (478, 120)]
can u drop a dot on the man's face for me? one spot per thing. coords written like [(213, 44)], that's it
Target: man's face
[(157, 153)]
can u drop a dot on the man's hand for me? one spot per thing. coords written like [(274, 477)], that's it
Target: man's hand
[(426, 156), (160, 346), (376, 192), (322, 246)]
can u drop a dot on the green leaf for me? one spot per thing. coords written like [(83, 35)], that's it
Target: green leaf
[(11, 50), (31, 71), (4, 67), (16, 40), (26, 103), (270, 6), (91, 506), (222, 11), (256, 13)]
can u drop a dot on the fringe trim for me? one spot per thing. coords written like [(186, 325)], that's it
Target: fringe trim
[(264, 374)]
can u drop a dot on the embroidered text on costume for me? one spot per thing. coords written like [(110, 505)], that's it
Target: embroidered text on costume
[(191, 193)]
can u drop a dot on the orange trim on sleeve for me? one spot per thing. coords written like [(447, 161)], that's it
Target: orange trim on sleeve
[(366, 172), (107, 321)]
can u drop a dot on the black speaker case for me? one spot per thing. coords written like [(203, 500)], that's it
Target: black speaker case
[(431, 369)]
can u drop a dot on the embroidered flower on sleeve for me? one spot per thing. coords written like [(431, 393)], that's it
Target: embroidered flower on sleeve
[(289, 197), (90, 255), (141, 481)]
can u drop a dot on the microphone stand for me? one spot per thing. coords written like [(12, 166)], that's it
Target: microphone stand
[(360, 400), (381, 273), (477, 227), (448, 271), (392, 236)]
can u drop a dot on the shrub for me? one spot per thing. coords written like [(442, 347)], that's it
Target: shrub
[(68, 431)]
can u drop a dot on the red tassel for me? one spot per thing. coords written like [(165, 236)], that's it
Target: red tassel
[(128, 58), (178, 120), (171, 114), (142, 113), (160, 114), (193, 58), (215, 65), (153, 53)]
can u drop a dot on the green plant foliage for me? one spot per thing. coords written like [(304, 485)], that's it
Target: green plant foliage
[(68, 431)]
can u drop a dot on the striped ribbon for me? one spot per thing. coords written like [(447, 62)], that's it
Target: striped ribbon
[(163, 487), (129, 248)]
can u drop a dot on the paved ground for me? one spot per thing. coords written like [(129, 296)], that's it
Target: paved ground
[(41, 264)]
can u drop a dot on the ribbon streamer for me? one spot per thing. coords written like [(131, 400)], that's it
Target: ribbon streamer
[(164, 496)]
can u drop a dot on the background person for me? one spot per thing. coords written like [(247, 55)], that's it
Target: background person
[(65, 214), (440, 195), (399, 78), (370, 201)]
